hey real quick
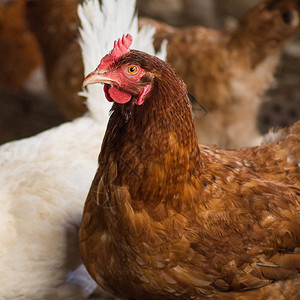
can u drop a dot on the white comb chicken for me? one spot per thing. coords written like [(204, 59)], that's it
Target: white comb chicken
[(45, 179)]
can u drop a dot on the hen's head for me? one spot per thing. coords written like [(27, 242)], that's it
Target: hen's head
[(125, 73)]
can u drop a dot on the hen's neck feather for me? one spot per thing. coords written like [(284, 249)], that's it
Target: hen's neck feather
[(154, 142)]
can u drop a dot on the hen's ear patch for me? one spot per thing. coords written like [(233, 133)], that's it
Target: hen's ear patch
[(121, 47), (146, 78)]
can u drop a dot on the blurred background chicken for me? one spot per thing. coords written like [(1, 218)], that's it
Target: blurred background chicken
[(228, 72), (55, 25), (45, 179), (25, 105), (17, 42)]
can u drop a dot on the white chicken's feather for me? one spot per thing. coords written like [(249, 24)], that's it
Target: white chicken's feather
[(45, 178), (44, 181)]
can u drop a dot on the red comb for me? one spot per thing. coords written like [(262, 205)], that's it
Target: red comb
[(121, 47)]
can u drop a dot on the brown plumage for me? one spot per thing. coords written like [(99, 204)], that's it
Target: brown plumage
[(229, 72), (166, 218)]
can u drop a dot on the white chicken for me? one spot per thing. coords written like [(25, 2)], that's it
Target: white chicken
[(45, 178)]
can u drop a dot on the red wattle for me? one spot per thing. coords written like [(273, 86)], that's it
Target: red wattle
[(118, 96)]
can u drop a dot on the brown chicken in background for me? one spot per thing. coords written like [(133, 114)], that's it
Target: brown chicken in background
[(229, 72), (16, 44), (55, 25), (25, 105), (166, 218)]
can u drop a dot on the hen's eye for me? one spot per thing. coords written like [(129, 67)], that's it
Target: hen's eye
[(132, 70)]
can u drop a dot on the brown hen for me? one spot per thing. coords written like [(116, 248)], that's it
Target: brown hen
[(166, 218), (229, 72)]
